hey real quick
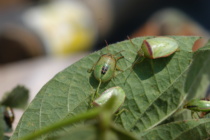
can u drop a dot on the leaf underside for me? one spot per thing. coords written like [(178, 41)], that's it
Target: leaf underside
[(154, 89)]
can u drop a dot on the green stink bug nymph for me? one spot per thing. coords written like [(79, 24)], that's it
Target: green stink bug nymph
[(106, 95), (104, 68), (197, 105), (157, 47)]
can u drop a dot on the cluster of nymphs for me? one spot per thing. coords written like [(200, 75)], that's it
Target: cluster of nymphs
[(104, 68)]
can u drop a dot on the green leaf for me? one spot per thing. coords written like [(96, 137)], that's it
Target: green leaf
[(154, 89), (197, 81), (17, 98), (198, 78), (99, 117), (182, 130)]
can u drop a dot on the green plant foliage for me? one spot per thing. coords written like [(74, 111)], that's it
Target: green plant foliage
[(91, 133), (198, 78), (182, 130), (17, 98), (154, 89), (100, 122), (197, 81)]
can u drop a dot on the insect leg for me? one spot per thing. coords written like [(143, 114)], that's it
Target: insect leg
[(118, 68), (96, 93), (138, 60), (118, 52), (198, 115), (118, 114)]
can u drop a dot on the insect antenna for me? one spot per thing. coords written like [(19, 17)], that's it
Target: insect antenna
[(118, 52), (107, 46), (131, 42)]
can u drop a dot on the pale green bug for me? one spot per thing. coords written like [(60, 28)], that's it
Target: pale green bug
[(104, 68), (198, 105), (106, 95), (157, 47)]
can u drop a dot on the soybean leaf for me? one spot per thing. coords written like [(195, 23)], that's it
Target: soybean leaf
[(99, 120), (17, 98), (157, 88), (197, 81), (182, 130), (154, 89), (198, 78)]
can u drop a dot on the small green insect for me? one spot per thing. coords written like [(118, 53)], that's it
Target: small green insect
[(157, 47), (106, 95), (198, 105), (104, 68)]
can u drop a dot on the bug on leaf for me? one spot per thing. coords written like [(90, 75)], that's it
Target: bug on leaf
[(104, 68), (157, 47), (198, 105), (106, 95), (9, 116)]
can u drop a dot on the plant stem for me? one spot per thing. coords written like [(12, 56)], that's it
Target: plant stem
[(84, 116)]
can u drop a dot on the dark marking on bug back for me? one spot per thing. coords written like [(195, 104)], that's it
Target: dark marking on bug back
[(104, 69), (192, 106)]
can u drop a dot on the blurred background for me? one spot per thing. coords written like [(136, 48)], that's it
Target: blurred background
[(39, 38)]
